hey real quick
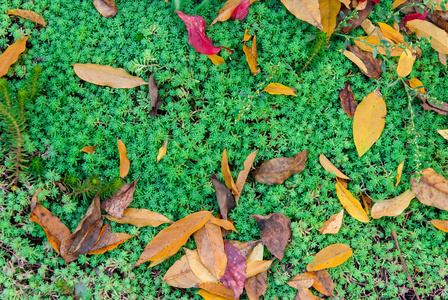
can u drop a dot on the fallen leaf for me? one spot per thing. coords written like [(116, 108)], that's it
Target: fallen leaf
[(277, 170), (241, 10), (154, 96), (140, 218), (303, 280), (245, 248), (275, 231), (256, 267), (108, 241), (405, 63), (367, 64), (279, 89), (228, 179), (206, 295), (229, 7), (106, 8), (322, 282), (107, 76), (436, 36), (217, 289), (329, 10), (333, 224), (366, 43), (216, 59), (247, 36), (442, 58), (256, 254), (124, 161), (399, 171), (211, 249), (305, 10), (169, 240), (116, 205), (158, 262), (227, 225), (348, 100), (375, 31), (431, 189), (361, 16), (198, 268), (369, 121), (439, 224), (434, 105), (11, 55), (367, 202), (416, 16), (305, 294), (252, 56), (397, 3), (330, 257), (242, 176), (391, 33), (256, 286), (162, 151), (224, 197), (327, 165), (89, 149), (30, 15), (392, 207), (350, 203), (443, 133), (196, 34), (417, 84), (235, 275), (180, 274)]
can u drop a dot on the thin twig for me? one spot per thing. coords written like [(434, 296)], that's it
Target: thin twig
[(394, 235)]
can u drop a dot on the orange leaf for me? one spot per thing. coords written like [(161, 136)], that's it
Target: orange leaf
[(322, 282), (124, 161), (180, 274), (227, 225), (330, 257), (108, 240), (242, 176), (226, 11), (162, 151), (30, 15), (252, 56), (391, 33), (399, 172), (11, 55), (230, 184), (279, 89), (439, 224), (417, 84), (256, 267), (206, 295), (140, 218), (217, 289), (88, 149), (216, 59)]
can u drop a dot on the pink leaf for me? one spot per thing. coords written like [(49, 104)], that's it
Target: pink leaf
[(196, 34), (241, 11), (417, 16), (235, 275)]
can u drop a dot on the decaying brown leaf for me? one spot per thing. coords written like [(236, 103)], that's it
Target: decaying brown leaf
[(328, 165), (108, 240), (124, 161), (277, 170), (217, 289), (348, 100), (140, 218), (245, 248), (330, 257), (431, 189), (252, 56), (302, 280), (242, 176), (154, 96), (275, 231), (106, 8), (11, 55), (224, 197), (256, 286), (367, 202), (169, 240), (107, 76), (439, 224), (89, 149), (333, 224), (162, 151), (399, 172), (198, 268), (228, 179), (116, 205), (364, 60), (322, 282), (305, 10), (355, 22), (30, 15), (180, 274)]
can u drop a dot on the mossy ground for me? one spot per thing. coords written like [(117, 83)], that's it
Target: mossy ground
[(206, 108)]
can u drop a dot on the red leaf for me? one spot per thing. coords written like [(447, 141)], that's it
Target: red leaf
[(196, 34), (235, 276), (417, 16), (241, 11)]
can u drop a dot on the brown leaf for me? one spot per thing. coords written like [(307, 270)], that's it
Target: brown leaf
[(30, 15), (228, 179), (224, 197), (106, 8), (235, 275), (218, 289), (275, 231), (11, 55), (88, 149), (154, 97), (124, 161), (328, 165), (433, 104), (242, 176), (107, 76), (162, 151), (305, 294), (252, 56), (322, 282), (116, 205), (198, 267), (330, 257), (245, 248), (180, 274), (367, 202), (364, 60), (348, 100), (333, 224), (303, 280), (277, 170), (170, 239), (140, 218), (431, 189), (355, 22), (211, 249), (108, 240), (256, 286)]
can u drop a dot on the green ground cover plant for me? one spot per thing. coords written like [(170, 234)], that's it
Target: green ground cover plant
[(204, 109)]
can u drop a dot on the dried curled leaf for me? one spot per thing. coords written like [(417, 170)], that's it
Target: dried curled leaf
[(124, 161), (224, 197), (140, 218), (154, 96), (361, 16), (348, 100), (350, 203), (162, 151), (279, 89), (333, 224), (328, 165), (252, 56), (392, 207), (228, 179), (11, 55), (107, 76), (431, 189), (329, 257), (108, 241), (106, 8), (30, 15), (116, 205)]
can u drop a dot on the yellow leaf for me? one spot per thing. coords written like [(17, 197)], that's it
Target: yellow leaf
[(329, 10), (30, 15), (242, 175), (279, 89), (226, 11), (217, 289), (346, 3), (439, 224), (375, 31), (257, 267), (158, 262), (247, 36), (180, 274), (140, 218), (198, 267), (333, 224), (206, 295), (443, 133), (170, 239), (392, 207), (330, 257), (369, 121), (305, 10), (216, 59), (162, 151), (305, 294), (356, 60), (227, 225), (397, 3), (439, 37), (350, 203), (107, 76), (228, 179), (326, 163), (88, 149), (405, 63), (124, 161), (442, 58), (256, 254), (391, 33), (364, 42), (11, 55), (252, 56), (399, 171), (417, 84)]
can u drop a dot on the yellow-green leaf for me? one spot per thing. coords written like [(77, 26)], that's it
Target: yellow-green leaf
[(329, 10), (30, 15), (405, 63), (162, 151), (330, 257), (326, 163), (369, 121), (216, 59), (350, 203), (124, 161), (279, 89), (437, 36), (11, 55), (107, 76), (399, 172), (392, 207)]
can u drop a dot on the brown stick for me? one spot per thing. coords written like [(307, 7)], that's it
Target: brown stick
[(394, 235)]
